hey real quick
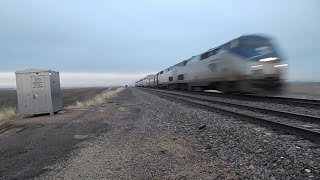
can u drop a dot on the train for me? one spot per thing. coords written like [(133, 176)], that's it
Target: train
[(247, 64)]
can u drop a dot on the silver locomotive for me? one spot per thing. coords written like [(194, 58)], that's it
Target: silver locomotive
[(248, 64)]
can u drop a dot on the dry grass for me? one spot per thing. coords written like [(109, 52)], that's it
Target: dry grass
[(99, 99), (7, 114)]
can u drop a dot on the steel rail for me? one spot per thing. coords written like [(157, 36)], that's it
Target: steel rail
[(274, 99), (297, 116)]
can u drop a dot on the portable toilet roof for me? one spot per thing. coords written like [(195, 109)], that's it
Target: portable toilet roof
[(33, 70)]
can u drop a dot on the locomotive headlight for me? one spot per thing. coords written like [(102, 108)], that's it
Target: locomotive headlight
[(280, 65), (268, 59), (256, 66)]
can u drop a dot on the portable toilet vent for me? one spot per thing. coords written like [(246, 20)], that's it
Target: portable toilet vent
[(38, 92)]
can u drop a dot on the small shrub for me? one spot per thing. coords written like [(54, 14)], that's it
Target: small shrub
[(7, 114), (99, 99)]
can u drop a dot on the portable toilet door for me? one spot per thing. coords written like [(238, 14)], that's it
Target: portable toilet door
[(40, 103)]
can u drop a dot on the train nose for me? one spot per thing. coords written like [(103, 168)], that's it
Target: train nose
[(265, 70), (269, 70)]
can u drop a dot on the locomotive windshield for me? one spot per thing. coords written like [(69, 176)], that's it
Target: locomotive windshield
[(250, 47)]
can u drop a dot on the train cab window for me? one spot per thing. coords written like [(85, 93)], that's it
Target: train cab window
[(249, 47), (161, 72), (183, 63)]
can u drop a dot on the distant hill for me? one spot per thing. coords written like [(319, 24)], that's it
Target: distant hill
[(7, 89)]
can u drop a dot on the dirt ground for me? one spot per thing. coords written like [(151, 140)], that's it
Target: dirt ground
[(310, 90), (8, 98)]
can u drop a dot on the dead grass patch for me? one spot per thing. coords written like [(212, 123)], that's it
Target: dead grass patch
[(7, 114), (99, 99)]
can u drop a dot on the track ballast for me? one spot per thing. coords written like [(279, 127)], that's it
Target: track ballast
[(282, 121)]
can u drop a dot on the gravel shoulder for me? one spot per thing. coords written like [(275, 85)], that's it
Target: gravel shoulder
[(138, 146), (151, 138)]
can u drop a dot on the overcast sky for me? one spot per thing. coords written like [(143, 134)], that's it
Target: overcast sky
[(108, 42)]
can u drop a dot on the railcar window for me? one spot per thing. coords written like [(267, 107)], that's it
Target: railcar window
[(191, 60), (204, 56), (213, 52), (180, 64), (227, 46)]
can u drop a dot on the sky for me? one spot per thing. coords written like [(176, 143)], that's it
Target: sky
[(116, 42)]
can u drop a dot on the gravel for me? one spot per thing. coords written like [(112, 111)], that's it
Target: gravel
[(273, 106), (153, 138), (293, 122)]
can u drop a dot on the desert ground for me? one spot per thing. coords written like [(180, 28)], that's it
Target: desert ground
[(8, 98), (310, 90)]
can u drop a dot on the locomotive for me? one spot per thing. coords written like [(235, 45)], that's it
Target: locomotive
[(247, 64)]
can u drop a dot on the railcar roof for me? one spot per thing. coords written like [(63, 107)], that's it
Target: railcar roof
[(240, 37)]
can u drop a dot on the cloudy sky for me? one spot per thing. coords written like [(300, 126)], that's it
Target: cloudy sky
[(110, 42)]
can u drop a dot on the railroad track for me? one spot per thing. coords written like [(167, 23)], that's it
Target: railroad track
[(280, 100), (291, 123)]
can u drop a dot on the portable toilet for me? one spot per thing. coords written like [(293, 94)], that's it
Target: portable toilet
[(38, 92)]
